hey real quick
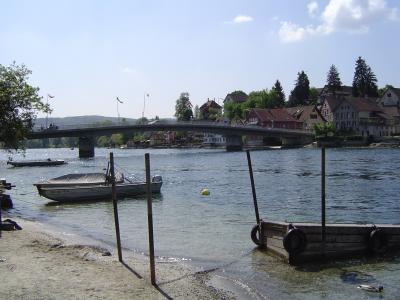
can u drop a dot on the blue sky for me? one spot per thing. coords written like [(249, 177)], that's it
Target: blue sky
[(86, 53)]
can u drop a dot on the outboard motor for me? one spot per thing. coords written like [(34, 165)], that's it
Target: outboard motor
[(157, 178)]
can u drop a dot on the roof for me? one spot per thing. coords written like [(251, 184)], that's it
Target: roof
[(344, 90), (333, 101), (210, 103), (391, 111), (364, 104), (236, 96), (302, 113), (276, 115)]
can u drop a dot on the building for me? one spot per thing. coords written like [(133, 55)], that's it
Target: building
[(390, 98), (390, 103), (270, 118), (210, 110), (308, 115), (236, 97), (360, 116)]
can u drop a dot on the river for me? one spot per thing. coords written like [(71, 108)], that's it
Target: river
[(214, 231)]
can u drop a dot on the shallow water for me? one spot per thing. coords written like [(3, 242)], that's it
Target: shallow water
[(213, 231)]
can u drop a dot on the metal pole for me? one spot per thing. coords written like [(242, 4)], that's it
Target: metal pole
[(253, 189), (114, 200), (150, 220), (323, 229)]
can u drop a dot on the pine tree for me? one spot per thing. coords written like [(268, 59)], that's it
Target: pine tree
[(333, 80), (301, 92), (278, 90), (364, 81)]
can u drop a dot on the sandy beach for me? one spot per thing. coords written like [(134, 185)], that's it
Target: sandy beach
[(39, 263)]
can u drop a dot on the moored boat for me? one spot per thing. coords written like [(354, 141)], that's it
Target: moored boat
[(93, 186), (35, 163)]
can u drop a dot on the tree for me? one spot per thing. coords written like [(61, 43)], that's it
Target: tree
[(364, 81), (301, 92), (333, 80), (279, 95), (313, 99), (19, 104), (183, 108)]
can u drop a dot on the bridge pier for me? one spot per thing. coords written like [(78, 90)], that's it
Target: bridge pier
[(234, 143), (86, 147)]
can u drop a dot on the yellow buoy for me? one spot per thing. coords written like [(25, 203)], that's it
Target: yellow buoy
[(205, 192)]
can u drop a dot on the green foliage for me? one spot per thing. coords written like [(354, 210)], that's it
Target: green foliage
[(364, 81), (325, 129), (301, 92), (277, 94), (333, 79), (19, 103), (382, 91), (233, 111), (183, 108), (313, 96)]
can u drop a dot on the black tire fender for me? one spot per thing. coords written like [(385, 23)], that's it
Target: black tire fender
[(294, 241), (254, 231), (378, 241)]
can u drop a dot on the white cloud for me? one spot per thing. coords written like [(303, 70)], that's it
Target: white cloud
[(352, 16), (242, 19), (290, 32), (312, 8)]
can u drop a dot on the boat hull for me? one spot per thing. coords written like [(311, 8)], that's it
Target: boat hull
[(98, 192), (39, 163)]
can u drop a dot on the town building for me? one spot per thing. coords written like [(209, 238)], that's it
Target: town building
[(236, 97), (358, 116), (211, 111), (270, 118), (308, 115)]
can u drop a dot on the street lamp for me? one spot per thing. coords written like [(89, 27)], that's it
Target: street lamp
[(47, 106), (118, 101), (144, 104)]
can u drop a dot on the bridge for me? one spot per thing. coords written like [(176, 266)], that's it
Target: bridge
[(233, 133)]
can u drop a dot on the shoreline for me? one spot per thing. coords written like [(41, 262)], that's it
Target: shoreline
[(40, 262)]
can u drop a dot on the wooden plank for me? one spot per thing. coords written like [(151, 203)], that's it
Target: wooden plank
[(339, 247), (275, 242), (331, 238)]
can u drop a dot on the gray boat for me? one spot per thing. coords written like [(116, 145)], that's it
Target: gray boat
[(93, 186), (36, 163)]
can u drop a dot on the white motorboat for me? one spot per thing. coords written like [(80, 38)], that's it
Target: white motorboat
[(93, 186)]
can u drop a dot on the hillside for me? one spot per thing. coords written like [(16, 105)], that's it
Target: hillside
[(80, 120)]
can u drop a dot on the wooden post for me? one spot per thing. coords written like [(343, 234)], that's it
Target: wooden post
[(114, 200), (253, 189), (323, 229), (1, 222), (150, 220)]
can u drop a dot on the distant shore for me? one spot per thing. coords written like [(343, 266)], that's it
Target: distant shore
[(38, 262)]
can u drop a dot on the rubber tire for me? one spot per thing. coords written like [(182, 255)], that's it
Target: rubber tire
[(294, 241), (254, 236), (378, 241)]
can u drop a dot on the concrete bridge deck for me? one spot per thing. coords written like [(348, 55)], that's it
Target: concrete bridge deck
[(232, 132)]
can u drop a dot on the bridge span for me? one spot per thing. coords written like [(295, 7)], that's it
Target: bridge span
[(233, 133)]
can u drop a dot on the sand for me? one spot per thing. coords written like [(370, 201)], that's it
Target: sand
[(36, 263)]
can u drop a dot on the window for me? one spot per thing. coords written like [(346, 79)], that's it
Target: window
[(313, 116)]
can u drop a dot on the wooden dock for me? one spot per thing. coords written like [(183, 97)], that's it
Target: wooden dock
[(301, 242)]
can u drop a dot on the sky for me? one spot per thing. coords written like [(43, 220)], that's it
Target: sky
[(86, 53)]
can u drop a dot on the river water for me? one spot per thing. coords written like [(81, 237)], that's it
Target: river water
[(214, 231)]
